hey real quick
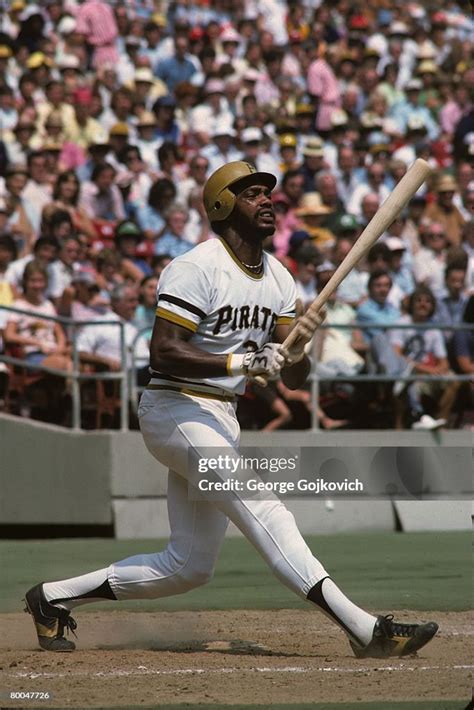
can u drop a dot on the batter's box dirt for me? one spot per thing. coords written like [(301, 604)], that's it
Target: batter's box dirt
[(226, 657)]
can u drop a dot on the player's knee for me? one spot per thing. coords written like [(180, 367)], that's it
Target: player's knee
[(192, 577)]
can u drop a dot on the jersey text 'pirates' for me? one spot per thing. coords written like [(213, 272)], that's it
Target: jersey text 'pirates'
[(228, 308)]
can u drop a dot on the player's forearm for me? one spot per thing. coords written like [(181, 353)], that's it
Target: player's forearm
[(294, 376), (182, 359)]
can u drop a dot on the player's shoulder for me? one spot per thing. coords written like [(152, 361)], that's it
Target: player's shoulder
[(278, 269)]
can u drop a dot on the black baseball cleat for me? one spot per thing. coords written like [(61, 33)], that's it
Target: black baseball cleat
[(392, 638), (50, 621)]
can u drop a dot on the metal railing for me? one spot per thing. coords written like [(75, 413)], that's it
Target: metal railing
[(315, 379), (127, 376), (76, 375)]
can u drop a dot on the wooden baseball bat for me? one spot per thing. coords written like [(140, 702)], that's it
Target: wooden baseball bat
[(386, 214)]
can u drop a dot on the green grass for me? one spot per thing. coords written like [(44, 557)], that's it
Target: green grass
[(382, 571)]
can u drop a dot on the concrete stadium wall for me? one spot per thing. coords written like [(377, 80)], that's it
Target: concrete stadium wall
[(49, 475)]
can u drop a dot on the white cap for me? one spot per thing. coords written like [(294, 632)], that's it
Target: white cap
[(325, 266), (398, 28), (230, 35), (214, 86), (144, 74), (251, 134), (66, 25), (395, 244), (414, 84), (339, 117), (222, 128), (69, 61)]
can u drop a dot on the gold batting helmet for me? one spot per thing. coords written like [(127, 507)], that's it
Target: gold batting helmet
[(219, 198)]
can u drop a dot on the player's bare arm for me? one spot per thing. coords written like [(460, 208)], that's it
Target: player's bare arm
[(171, 352)]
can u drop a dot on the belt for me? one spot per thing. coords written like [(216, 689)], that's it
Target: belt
[(193, 393)]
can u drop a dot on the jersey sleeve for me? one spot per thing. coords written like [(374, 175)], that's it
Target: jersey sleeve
[(288, 308), (183, 295)]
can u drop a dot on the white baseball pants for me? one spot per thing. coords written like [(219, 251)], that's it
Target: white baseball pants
[(171, 424)]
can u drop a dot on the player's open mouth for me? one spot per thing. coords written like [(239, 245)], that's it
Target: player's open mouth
[(267, 215)]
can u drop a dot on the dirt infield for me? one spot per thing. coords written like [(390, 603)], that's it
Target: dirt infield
[(224, 657)]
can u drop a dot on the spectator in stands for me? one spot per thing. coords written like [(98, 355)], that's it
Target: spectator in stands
[(82, 128), (151, 216), (56, 223), (45, 251), (20, 143), (463, 343), (468, 247), (178, 67), (96, 155), (42, 341), (166, 126), (353, 289), (128, 236), (7, 256), (307, 259), (253, 152), (376, 309), (339, 349), (109, 271), (145, 313), (173, 240), (19, 222), (312, 213), (66, 197), (422, 352), (95, 20), (158, 263), (373, 186), (429, 262), (444, 212), (400, 273), (100, 345), (62, 269), (81, 300), (313, 161), (451, 305), (100, 198)]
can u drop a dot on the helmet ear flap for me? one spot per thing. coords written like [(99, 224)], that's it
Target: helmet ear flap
[(223, 205)]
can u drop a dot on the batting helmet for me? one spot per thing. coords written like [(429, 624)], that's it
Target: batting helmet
[(219, 198)]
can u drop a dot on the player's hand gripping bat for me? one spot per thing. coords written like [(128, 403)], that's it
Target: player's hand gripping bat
[(386, 214)]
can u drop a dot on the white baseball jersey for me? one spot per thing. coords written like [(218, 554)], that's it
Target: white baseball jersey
[(228, 308)]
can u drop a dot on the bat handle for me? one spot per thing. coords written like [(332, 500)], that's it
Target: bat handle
[(290, 340)]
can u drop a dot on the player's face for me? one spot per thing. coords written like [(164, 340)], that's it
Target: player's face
[(254, 211)]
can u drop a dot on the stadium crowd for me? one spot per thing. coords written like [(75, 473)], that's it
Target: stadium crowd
[(112, 116)]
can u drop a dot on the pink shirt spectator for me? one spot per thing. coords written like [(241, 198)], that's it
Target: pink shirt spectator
[(96, 21), (323, 84), (450, 115)]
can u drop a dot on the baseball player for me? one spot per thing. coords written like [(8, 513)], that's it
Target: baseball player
[(223, 309)]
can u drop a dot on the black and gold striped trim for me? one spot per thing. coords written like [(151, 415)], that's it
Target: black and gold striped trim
[(180, 381), (285, 320), (242, 267), (178, 320), (169, 298), (192, 393)]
